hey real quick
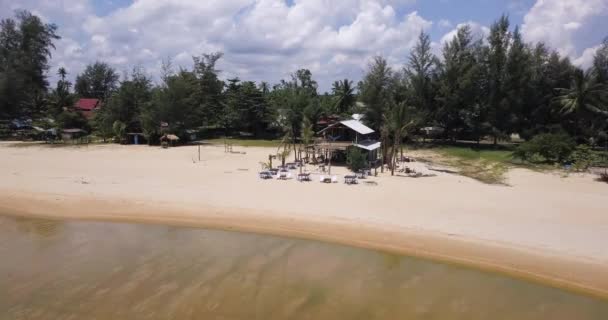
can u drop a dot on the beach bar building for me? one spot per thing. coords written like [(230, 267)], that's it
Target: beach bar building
[(335, 140)]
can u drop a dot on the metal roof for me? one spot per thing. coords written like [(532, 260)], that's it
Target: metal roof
[(368, 145), (357, 126), (87, 104)]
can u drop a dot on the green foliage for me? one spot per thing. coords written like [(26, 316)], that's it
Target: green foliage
[(291, 101), (502, 156), (126, 103), (119, 129), (175, 103), (98, 80), (25, 49), (552, 148), (421, 71), (307, 132), (497, 58), (600, 63), (69, 119), (458, 83), (375, 92), (343, 92), (585, 93), (482, 87), (582, 157), (245, 107), (208, 89), (355, 159)]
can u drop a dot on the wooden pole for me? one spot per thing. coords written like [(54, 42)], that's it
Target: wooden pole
[(329, 163)]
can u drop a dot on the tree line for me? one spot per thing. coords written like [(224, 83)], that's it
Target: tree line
[(479, 87)]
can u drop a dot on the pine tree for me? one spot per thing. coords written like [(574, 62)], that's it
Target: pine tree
[(499, 115)]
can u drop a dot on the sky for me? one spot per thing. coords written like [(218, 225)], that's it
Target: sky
[(267, 40)]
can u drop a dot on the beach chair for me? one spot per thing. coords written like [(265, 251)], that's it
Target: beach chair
[(350, 179), (334, 179), (321, 178), (289, 176)]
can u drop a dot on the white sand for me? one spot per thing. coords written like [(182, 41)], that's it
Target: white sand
[(537, 214)]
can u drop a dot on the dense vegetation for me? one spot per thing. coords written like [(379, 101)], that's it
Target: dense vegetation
[(480, 88)]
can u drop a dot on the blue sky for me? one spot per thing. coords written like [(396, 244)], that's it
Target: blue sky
[(266, 40)]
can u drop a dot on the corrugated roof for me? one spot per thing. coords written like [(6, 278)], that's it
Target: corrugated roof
[(87, 104), (357, 126), (369, 145)]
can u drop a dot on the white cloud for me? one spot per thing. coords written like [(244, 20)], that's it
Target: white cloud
[(477, 30), (586, 58), (572, 25), (444, 23), (558, 22), (262, 39)]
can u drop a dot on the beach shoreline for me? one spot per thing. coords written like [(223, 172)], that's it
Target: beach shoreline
[(585, 277), (556, 240)]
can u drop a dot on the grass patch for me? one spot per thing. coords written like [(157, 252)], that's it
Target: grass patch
[(501, 156), (487, 166), (245, 142)]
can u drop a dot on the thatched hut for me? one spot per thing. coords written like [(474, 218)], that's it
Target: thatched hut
[(168, 140)]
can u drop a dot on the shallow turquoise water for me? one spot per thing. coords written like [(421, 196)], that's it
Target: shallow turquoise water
[(96, 270)]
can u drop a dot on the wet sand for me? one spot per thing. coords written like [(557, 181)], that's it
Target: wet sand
[(62, 269), (542, 227)]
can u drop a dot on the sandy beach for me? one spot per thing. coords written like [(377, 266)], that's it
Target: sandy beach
[(541, 226)]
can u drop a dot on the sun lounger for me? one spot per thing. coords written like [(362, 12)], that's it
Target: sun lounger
[(321, 178), (350, 179), (304, 177), (265, 175), (334, 179)]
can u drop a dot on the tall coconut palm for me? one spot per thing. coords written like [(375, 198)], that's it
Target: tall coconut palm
[(400, 120), (584, 94), (306, 134), (62, 73), (345, 95)]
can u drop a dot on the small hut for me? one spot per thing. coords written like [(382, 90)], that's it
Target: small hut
[(168, 140), (136, 138)]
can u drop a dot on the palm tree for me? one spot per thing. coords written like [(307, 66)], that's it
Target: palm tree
[(401, 119), (62, 73), (345, 97), (306, 134), (584, 94), (264, 87)]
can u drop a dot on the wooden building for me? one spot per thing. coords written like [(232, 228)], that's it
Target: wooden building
[(335, 140)]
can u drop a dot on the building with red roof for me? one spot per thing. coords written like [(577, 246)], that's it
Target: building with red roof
[(87, 106)]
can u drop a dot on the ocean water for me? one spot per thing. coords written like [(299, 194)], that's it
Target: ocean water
[(52, 269)]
